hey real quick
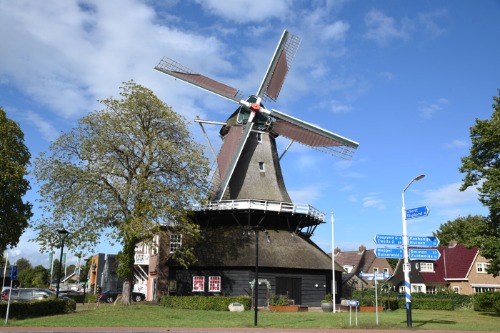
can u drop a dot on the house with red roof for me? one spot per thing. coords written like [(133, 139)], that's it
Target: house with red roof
[(459, 269), (355, 262)]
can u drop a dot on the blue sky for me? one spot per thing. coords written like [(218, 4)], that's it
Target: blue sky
[(404, 79)]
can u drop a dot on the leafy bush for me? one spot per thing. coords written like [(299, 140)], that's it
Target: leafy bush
[(216, 303), (42, 308), (487, 302), (328, 298), (279, 300)]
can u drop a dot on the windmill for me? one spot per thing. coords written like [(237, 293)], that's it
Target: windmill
[(238, 172), (248, 190)]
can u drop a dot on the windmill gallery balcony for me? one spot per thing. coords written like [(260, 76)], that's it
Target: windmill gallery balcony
[(264, 206)]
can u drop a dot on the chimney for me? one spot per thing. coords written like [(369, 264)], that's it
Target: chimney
[(452, 244), (337, 251), (362, 249)]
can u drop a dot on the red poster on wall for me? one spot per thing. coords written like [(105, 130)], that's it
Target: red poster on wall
[(214, 284), (198, 283)]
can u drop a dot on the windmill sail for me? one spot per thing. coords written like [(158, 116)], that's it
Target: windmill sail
[(312, 136), (173, 68), (279, 66)]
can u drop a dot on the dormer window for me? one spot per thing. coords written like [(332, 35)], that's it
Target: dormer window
[(426, 267)]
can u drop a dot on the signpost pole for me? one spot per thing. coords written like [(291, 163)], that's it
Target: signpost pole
[(406, 266), (334, 290)]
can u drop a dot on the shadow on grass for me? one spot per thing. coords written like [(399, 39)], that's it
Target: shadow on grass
[(420, 323)]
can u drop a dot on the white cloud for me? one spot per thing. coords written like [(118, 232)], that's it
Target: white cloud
[(373, 200), (429, 23), (456, 144), (307, 194), (450, 196), (48, 131), (383, 28), (428, 109), (247, 10)]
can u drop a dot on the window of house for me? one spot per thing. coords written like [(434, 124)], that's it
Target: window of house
[(481, 267), (259, 137), (375, 270), (427, 267), (262, 167), (418, 288), (431, 290), (402, 289), (175, 242), (214, 284), (478, 290), (386, 270), (198, 283), (456, 289)]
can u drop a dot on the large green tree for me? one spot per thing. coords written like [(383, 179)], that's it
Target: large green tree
[(123, 172), (14, 160), (467, 230), (482, 169)]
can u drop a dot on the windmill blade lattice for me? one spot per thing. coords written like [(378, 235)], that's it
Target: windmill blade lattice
[(173, 68)]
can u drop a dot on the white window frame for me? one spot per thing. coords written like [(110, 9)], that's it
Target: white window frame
[(214, 284), (175, 242), (402, 289), (456, 289), (427, 267), (262, 167), (386, 270), (375, 270), (418, 288), (198, 283), (259, 137), (481, 267)]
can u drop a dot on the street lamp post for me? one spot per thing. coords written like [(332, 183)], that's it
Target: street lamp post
[(334, 289), (406, 266), (64, 233)]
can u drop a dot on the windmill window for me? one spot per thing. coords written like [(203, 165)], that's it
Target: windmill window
[(259, 137), (262, 167)]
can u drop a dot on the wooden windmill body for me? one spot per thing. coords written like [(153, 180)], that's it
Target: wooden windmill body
[(248, 194)]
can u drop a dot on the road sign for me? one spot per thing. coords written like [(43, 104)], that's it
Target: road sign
[(417, 212), (424, 254), (13, 272), (429, 241), (376, 276), (388, 240), (392, 253)]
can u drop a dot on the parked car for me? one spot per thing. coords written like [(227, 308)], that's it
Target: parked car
[(110, 296), (31, 294)]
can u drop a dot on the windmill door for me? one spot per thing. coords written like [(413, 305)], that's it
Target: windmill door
[(292, 287)]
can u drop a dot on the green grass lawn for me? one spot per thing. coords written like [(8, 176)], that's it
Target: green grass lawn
[(148, 315)]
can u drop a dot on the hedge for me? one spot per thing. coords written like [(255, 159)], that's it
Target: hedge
[(41, 308), (487, 302), (216, 303)]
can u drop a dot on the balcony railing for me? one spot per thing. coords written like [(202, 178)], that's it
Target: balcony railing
[(141, 259), (263, 205)]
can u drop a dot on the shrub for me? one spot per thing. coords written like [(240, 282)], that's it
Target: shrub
[(487, 302), (42, 308), (216, 303), (279, 300), (328, 298)]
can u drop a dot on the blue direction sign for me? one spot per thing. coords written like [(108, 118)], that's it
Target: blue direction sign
[(427, 241), (417, 212), (375, 276), (389, 253), (388, 240), (423, 254), (13, 272)]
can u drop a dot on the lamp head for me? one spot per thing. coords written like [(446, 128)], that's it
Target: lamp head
[(419, 177), (62, 232)]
